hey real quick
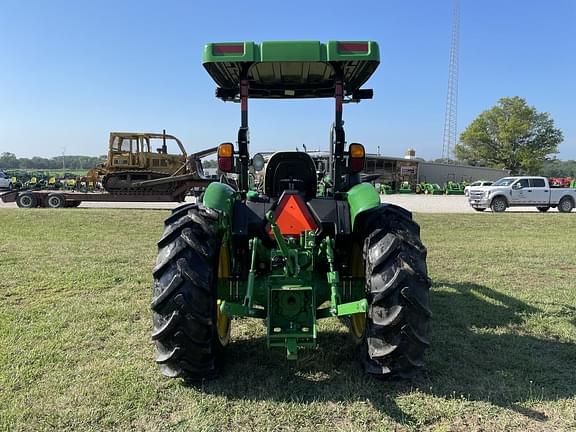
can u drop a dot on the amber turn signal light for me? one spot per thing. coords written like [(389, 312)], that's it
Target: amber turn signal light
[(226, 157), (356, 157)]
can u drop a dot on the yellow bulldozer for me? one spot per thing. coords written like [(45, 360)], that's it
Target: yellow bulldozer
[(146, 163)]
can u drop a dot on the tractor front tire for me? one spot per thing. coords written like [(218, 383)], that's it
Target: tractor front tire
[(397, 285), (187, 323)]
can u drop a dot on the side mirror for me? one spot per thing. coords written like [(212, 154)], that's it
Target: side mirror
[(258, 162)]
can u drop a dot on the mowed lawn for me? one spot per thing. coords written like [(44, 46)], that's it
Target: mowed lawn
[(75, 349)]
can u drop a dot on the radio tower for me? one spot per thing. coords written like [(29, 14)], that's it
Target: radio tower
[(451, 116)]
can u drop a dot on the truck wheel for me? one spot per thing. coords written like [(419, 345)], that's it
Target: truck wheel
[(397, 285), (480, 209), (26, 200), (543, 209), (189, 332), (565, 205), (498, 205), (55, 200)]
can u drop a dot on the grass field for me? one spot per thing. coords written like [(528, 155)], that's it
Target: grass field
[(75, 349)]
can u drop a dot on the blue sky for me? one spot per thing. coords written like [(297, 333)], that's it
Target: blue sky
[(72, 71)]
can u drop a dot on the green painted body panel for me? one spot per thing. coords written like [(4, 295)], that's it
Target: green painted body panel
[(335, 54), (361, 197), (284, 51), (219, 196), (290, 69), (250, 53), (288, 51)]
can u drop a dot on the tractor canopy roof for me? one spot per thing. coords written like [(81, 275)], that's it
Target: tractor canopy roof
[(290, 69)]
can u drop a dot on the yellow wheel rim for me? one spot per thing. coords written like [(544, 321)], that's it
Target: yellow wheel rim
[(358, 325), (357, 321), (223, 323)]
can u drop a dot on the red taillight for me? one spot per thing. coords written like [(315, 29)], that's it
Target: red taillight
[(225, 164), (352, 47), (226, 157), (356, 157), (228, 49)]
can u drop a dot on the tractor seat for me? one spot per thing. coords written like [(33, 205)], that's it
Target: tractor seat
[(290, 171)]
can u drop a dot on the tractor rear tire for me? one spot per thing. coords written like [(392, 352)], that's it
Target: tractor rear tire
[(397, 285), (184, 304)]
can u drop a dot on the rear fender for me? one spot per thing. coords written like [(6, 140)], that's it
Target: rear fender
[(360, 198), (221, 197)]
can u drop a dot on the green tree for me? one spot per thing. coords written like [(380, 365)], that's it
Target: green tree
[(8, 161), (559, 168), (511, 135)]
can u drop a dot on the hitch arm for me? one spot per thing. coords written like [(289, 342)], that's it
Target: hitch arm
[(289, 254)]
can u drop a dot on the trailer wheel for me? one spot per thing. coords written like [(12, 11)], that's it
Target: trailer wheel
[(397, 285), (499, 204), (27, 200), (565, 205), (190, 333), (55, 200), (543, 209)]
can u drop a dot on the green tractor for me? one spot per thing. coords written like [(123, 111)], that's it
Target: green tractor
[(405, 188), (281, 253), (454, 188)]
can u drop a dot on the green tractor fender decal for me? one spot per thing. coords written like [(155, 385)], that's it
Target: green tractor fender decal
[(220, 196), (360, 198)]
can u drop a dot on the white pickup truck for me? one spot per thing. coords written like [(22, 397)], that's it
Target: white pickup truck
[(522, 192)]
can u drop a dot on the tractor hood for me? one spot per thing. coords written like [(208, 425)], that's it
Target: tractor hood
[(282, 69)]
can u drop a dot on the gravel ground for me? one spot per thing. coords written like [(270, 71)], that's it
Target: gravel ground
[(414, 203), (441, 204)]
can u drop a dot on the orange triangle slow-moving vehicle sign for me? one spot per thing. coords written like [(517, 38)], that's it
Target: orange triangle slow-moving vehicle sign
[(293, 217)]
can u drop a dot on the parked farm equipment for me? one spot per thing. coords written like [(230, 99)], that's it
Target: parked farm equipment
[(453, 188), (281, 253), (132, 173), (386, 189), (405, 188), (561, 182), (429, 188)]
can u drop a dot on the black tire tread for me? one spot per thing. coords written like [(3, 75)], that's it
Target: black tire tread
[(184, 295), (397, 286)]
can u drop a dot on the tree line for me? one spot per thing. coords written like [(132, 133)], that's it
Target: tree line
[(11, 161)]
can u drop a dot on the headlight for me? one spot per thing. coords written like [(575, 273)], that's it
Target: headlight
[(487, 194)]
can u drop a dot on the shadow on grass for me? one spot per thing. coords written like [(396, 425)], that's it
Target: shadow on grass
[(479, 352)]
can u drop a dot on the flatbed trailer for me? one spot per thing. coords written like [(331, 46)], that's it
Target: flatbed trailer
[(30, 198)]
